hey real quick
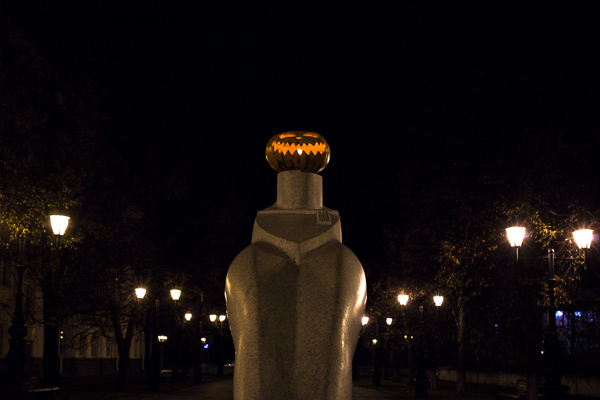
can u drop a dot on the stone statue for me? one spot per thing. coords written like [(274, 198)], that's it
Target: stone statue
[(296, 295)]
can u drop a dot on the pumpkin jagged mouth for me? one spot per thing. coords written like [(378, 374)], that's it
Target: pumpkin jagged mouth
[(315, 148)]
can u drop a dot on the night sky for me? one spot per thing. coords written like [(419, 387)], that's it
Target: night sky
[(204, 86)]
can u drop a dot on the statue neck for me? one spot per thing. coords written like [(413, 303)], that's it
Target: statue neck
[(297, 190)]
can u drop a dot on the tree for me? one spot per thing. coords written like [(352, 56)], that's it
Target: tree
[(449, 234), (49, 125)]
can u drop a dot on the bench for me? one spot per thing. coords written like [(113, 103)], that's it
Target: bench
[(518, 392), (46, 392)]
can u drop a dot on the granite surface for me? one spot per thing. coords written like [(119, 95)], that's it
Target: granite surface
[(295, 298)]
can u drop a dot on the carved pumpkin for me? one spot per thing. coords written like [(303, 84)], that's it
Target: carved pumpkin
[(298, 150)]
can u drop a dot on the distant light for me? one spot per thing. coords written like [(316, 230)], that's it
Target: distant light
[(206, 346), (374, 341), (403, 299), (203, 339), (583, 238), (162, 338), (559, 314), (578, 313), (188, 316), (515, 235), (175, 294), (300, 151), (222, 318), (405, 336), (213, 317), (365, 320), (59, 224), (388, 321), (438, 300), (140, 292)]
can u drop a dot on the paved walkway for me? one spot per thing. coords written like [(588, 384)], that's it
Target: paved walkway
[(223, 390)]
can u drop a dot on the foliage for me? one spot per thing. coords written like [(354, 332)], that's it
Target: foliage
[(449, 237)]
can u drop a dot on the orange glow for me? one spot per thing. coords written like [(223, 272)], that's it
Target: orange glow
[(292, 147)]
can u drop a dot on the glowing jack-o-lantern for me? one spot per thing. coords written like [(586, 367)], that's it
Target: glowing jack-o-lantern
[(298, 150)]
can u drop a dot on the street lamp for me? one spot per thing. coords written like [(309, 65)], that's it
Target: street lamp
[(551, 344), (221, 319), (51, 357), (583, 238), (515, 236), (140, 293), (175, 294), (153, 349), (188, 316), (16, 357), (59, 224), (403, 299), (421, 377)]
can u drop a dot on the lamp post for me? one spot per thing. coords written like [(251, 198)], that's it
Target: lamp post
[(51, 356), (198, 346), (153, 348), (421, 378), (175, 295), (551, 345), (221, 319), (16, 358), (377, 356)]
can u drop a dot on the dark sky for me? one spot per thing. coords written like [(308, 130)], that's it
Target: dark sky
[(208, 83)]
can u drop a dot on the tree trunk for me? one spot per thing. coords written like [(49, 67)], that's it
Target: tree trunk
[(124, 346), (461, 373), (123, 376)]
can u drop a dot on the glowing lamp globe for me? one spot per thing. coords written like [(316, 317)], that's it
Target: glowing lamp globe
[(175, 294), (140, 292), (298, 150), (583, 238), (403, 299), (515, 235), (388, 321), (222, 318), (438, 300), (213, 317), (365, 320), (59, 224), (188, 316)]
